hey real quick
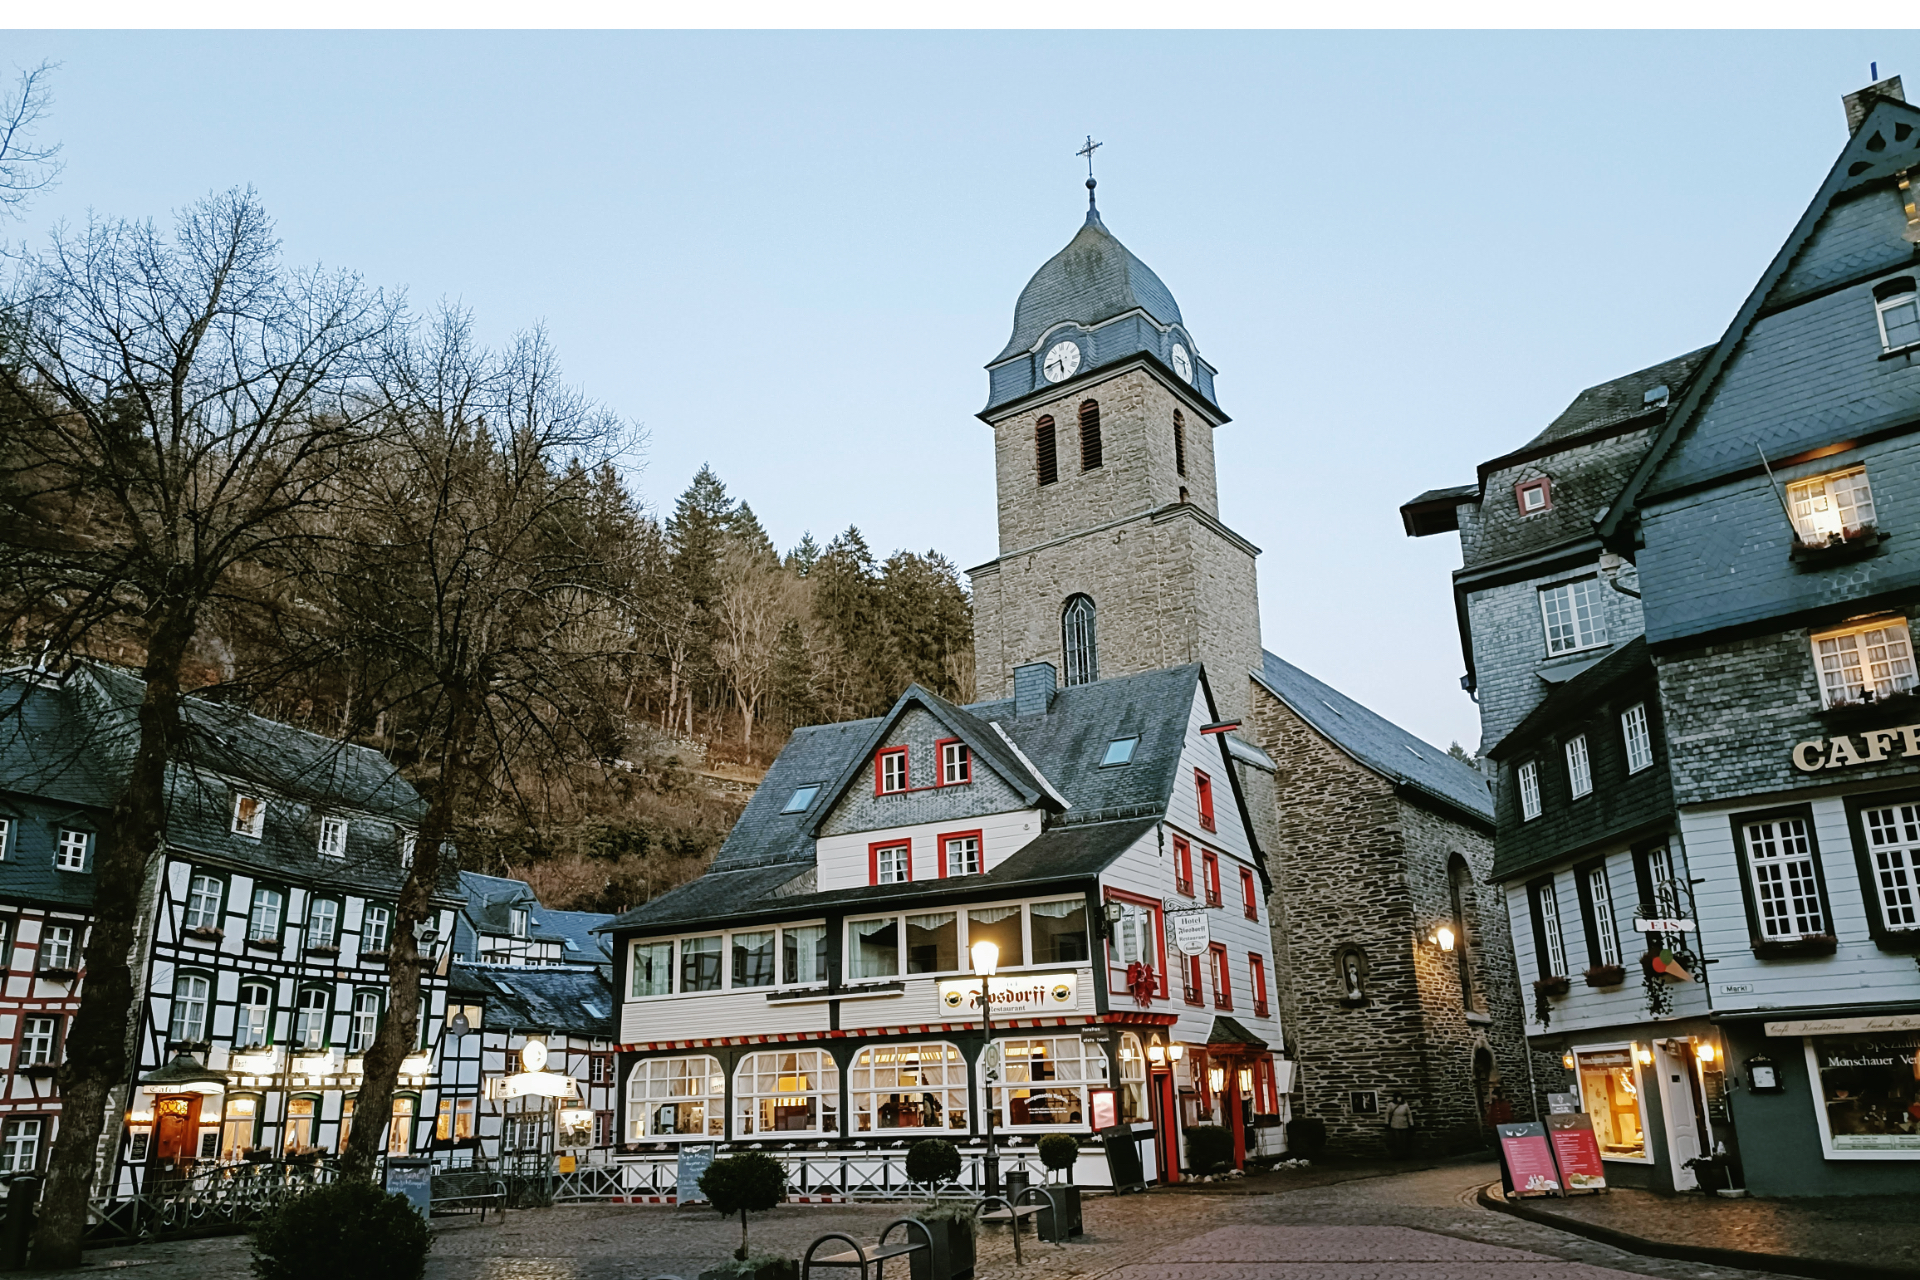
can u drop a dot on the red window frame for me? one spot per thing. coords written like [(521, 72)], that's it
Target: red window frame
[(1183, 866), (1222, 976), (1257, 967), (1117, 974), (1266, 1090), (1247, 891), (1194, 993), (880, 772), (940, 850), (1545, 487), (1210, 867), (873, 860), (1203, 791), (940, 762)]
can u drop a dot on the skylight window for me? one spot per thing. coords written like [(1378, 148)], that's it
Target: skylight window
[(801, 798), (1120, 751)]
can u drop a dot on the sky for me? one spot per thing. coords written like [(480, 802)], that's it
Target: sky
[(789, 255)]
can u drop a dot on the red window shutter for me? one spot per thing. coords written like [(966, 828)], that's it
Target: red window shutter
[(1203, 790)]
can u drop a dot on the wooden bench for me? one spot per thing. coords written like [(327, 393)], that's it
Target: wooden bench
[(863, 1256)]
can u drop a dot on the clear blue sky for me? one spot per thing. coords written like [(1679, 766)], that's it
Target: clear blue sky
[(789, 255)]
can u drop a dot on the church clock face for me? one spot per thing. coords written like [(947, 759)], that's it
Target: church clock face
[(1182, 363), (1062, 359)]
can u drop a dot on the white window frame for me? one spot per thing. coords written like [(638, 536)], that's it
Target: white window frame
[(203, 906), (1818, 1092), (882, 1075), (1548, 900), (653, 946), (1082, 1066), (697, 1080), (249, 815), (893, 771), (56, 946), (20, 1145), (1579, 766), (1638, 736), (1882, 658), (1578, 594), (364, 1023), (686, 950), (311, 1019), (956, 764), (71, 855), (1606, 927), (735, 980), (1893, 855), (266, 904), (967, 865), (816, 951), (6, 829), (1781, 868), (333, 838), (318, 910), (1823, 506), (1883, 305), (376, 930), (191, 1005), (252, 1020), (517, 922), (407, 840), (893, 863), (855, 970), (37, 1037), (1528, 775), (814, 1075)]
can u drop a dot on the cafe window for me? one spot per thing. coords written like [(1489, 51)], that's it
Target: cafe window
[(909, 1086), (1133, 1079), (1059, 931), (873, 948), (1893, 848), (1869, 1105), (676, 1098), (400, 1131), (803, 953), (302, 1111), (1610, 1093), (700, 963), (795, 1093), (1001, 926), (1864, 663), (753, 959), (933, 943), (1043, 1083), (652, 970), (238, 1127)]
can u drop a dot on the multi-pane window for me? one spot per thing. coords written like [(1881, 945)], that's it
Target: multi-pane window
[(263, 921), (676, 1097), (189, 1021), (1043, 1081), (400, 1130), (1579, 767), (893, 864), (36, 1042), (373, 934), (1529, 775), (1249, 897), (1046, 462), (908, 1086), (1257, 971), (1633, 730), (20, 1146), (890, 771), (1573, 616), (253, 1019), (249, 815), (310, 1019), (203, 903), (700, 963), (753, 958), (1605, 929), (1059, 931), (71, 853), (1079, 641), (1893, 843), (1203, 795), (1222, 980), (8, 932), (963, 855), (1210, 873), (1546, 906), (1183, 866), (517, 921), (365, 1022), (1858, 663), (1785, 886), (333, 837), (1135, 941), (1825, 507), (956, 764), (796, 1092), (407, 842), (652, 970), (1897, 307), (1089, 435), (323, 923), (56, 946), (6, 829)]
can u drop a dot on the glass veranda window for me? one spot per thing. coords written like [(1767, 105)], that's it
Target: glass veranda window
[(1893, 843), (909, 1086), (1824, 507), (1059, 931), (787, 1093), (676, 1097), (803, 953), (1786, 889), (1864, 663), (873, 948), (753, 959), (1042, 1082), (700, 963), (933, 943), (1573, 616), (652, 973), (1001, 926)]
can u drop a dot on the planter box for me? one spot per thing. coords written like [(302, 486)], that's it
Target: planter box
[(953, 1250), (327, 952), (1068, 1198), (57, 975), (1819, 944), (1556, 986), (203, 934), (778, 1269), (1846, 546), (373, 957), (1606, 975)]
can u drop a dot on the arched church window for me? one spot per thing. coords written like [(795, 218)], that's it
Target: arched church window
[(1179, 443), (1043, 455), (1078, 642), (1089, 435)]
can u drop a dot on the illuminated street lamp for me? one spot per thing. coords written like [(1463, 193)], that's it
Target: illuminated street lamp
[(986, 958)]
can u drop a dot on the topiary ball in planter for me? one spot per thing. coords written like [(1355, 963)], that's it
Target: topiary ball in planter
[(933, 1161), (1058, 1151), (1306, 1137), (349, 1227), (1209, 1147), (751, 1182)]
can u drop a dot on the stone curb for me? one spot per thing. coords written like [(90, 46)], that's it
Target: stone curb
[(1785, 1264)]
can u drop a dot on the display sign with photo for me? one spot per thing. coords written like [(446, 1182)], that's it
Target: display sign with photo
[(1576, 1151), (1529, 1161), (1870, 1090), (1610, 1094)]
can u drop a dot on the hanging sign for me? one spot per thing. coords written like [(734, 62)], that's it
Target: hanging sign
[(1191, 933), (1577, 1151), (1023, 994), (533, 1084), (1663, 926), (1528, 1158)]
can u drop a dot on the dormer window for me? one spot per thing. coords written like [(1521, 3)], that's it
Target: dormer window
[(517, 922), (249, 815), (890, 771), (1897, 307), (1120, 751), (1831, 508), (333, 837), (1534, 496), (801, 798), (956, 764)]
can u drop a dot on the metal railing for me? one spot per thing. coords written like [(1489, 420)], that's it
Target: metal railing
[(205, 1201), (853, 1175)]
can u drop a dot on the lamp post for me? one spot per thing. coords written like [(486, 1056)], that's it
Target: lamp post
[(986, 958)]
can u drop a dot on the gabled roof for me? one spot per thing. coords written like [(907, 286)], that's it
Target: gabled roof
[(538, 998), (1377, 742), (1565, 703)]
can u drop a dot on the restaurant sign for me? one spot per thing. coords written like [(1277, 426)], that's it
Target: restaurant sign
[(1026, 993), (1839, 752)]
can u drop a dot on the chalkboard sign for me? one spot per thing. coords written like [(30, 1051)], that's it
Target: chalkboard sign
[(411, 1177), (1123, 1159), (694, 1159)]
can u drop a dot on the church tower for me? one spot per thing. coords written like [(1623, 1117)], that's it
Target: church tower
[(1113, 558)]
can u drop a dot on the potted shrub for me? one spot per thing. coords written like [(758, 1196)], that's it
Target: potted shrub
[(1715, 1173), (1059, 1151), (933, 1163), (1209, 1149), (1557, 985), (1606, 975), (751, 1182), (350, 1227)]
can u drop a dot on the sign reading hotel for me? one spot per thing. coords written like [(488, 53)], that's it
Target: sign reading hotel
[(1838, 752), (1191, 933), (1013, 996)]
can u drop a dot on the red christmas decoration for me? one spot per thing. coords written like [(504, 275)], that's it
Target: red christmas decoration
[(1143, 984)]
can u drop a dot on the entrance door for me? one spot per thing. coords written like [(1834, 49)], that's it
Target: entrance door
[(176, 1128), (1683, 1116), (1166, 1125)]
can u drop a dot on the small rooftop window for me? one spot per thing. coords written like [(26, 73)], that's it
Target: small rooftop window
[(1120, 751), (801, 798)]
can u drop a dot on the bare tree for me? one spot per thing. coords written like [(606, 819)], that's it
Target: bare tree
[(174, 410), (756, 597), (26, 165)]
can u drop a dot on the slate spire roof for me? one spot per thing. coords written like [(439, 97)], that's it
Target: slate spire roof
[(1094, 278)]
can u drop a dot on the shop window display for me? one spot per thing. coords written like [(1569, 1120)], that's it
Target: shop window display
[(1044, 1081), (1610, 1093), (1870, 1092)]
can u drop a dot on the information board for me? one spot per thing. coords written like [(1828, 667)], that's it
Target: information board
[(1577, 1151), (1123, 1158), (1563, 1104), (1105, 1113), (694, 1159), (411, 1177), (1528, 1159)]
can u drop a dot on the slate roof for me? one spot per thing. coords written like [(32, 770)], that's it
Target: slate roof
[(1620, 399), (1377, 742), (1094, 278), (1232, 1031), (1567, 703), (578, 941), (537, 998)]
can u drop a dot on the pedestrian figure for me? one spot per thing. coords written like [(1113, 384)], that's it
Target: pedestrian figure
[(1400, 1128)]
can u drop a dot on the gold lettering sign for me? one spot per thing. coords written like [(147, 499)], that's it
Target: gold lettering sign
[(1839, 752)]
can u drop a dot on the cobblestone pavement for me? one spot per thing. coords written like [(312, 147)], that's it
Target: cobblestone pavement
[(1422, 1223)]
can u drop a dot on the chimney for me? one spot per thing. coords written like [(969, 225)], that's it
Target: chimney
[(1033, 687), (1860, 103)]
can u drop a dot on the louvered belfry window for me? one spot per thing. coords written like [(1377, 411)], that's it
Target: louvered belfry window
[(1179, 443), (1078, 642), (1044, 459), (1089, 435)]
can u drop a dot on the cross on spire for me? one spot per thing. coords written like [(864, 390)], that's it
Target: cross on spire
[(1088, 151)]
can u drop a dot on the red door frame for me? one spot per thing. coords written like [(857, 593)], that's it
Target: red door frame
[(1236, 1113), (1166, 1124)]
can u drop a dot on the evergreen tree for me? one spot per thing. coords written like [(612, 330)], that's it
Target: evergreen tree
[(695, 532), (804, 556), (794, 677), (929, 620), (861, 674)]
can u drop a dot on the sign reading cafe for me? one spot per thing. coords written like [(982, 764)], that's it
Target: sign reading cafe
[(1838, 752)]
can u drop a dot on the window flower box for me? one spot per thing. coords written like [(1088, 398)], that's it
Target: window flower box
[(1812, 944), (1555, 986), (264, 944), (39, 1070), (58, 974), (1845, 545), (203, 933), (373, 957), (328, 952), (1871, 711), (1606, 975)]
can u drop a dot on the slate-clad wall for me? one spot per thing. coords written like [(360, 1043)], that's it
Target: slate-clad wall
[(1510, 645), (1857, 235), (861, 810)]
